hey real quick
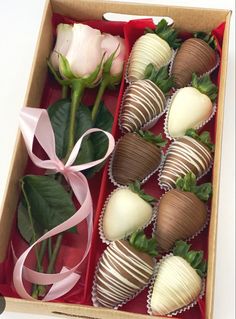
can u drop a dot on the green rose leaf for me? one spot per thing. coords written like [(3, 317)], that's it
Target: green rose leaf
[(59, 114), (49, 203), (104, 121), (30, 231)]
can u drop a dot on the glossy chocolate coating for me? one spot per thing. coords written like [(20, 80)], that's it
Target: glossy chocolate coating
[(134, 159), (180, 216), (194, 56), (122, 272)]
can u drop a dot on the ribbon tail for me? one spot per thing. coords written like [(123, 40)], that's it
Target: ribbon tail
[(62, 287)]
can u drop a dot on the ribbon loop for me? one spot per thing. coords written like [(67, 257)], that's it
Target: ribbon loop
[(36, 123)]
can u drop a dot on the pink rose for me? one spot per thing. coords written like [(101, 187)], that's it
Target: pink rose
[(63, 41), (110, 44)]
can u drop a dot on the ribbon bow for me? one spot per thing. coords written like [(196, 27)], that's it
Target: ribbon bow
[(35, 122)]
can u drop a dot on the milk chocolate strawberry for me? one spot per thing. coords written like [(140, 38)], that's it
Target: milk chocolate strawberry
[(125, 268), (136, 156), (145, 99), (196, 55), (127, 210), (153, 47), (179, 280), (191, 106), (190, 153), (182, 211)]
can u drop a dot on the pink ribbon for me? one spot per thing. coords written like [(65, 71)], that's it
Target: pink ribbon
[(35, 122)]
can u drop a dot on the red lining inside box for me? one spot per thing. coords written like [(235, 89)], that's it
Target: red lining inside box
[(101, 185)]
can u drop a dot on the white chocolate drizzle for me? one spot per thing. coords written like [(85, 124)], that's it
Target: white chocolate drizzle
[(149, 48), (143, 101), (177, 284), (184, 155), (121, 274)]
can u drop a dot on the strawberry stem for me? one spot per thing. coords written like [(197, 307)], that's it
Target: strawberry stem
[(205, 86), (204, 138), (160, 77), (167, 33), (151, 138), (188, 183), (194, 258), (207, 37), (136, 188), (140, 242)]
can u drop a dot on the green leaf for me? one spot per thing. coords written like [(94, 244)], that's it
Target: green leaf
[(49, 202), (207, 37), (64, 68), (205, 86), (194, 258), (160, 77), (140, 242), (204, 138), (181, 248), (103, 121), (59, 114), (29, 231), (150, 137), (188, 183), (136, 188), (167, 33)]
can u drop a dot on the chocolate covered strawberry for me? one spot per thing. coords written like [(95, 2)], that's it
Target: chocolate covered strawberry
[(153, 47), (190, 153), (144, 100), (179, 280), (196, 55), (182, 211), (136, 156), (125, 268), (127, 210), (191, 106)]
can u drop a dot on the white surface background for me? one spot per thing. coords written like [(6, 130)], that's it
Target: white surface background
[(19, 26)]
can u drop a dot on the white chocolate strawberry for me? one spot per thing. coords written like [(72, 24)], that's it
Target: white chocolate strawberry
[(125, 213), (191, 107), (178, 282), (153, 47)]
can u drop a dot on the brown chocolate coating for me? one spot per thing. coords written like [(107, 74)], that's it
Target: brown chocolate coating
[(134, 159), (180, 216), (122, 272), (143, 100), (184, 155), (194, 56)]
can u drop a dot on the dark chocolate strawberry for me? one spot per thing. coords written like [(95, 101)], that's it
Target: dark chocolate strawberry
[(125, 268), (182, 211), (196, 55), (136, 156)]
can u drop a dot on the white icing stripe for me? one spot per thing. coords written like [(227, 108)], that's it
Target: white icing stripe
[(177, 284), (142, 102), (180, 152), (116, 287)]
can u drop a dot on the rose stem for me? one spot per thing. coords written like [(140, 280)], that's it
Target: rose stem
[(54, 254), (64, 91), (77, 92), (99, 96)]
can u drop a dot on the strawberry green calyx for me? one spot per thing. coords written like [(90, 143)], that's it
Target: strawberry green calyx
[(189, 184), (207, 37), (140, 242), (194, 258), (204, 138), (151, 138), (205, 86), (160, 77), (136, 188), (167, 33)]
